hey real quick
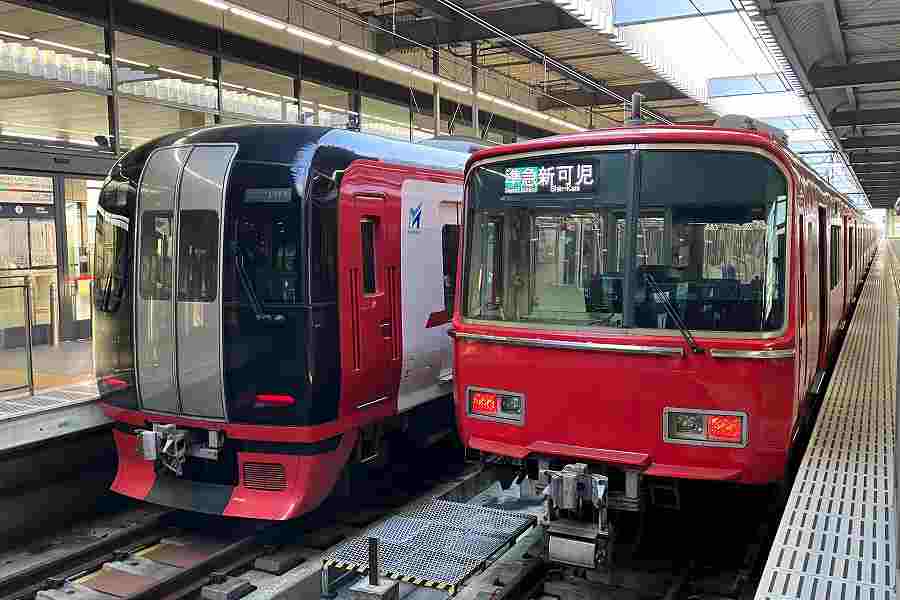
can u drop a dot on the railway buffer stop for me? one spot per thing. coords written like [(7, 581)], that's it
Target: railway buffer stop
[(84, 84)]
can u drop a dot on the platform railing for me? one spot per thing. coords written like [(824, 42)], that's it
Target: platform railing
[(22, 283)]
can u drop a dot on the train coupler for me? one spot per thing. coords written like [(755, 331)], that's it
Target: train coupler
[(576, 523), (169, 447)]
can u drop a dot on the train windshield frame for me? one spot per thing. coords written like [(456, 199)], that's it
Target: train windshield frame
[(606, 238)]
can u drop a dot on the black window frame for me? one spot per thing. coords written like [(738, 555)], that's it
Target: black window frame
[(834, 258)]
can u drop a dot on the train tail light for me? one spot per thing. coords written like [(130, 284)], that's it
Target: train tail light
[(274, 400), (114, 382), (496, 405), (706, 428)]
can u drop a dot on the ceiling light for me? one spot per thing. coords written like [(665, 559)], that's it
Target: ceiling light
[(133, 62), (309, 35), (64, 46), (394, 65), (179, 73), (487, 97), (261, 19), (214, 4), (14, 35), (428, 76), (456, 86), (357, 52)]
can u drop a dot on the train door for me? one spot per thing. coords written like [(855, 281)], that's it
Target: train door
[(369, 266), (823, 285), (178, 305)]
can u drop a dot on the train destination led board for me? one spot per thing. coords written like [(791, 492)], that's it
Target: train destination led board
[(552, 179)]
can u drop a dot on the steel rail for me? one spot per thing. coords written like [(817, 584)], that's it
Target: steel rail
[(24, 584)]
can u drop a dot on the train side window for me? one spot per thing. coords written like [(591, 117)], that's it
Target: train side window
[(450, 247), (111, 257), (835, 254), (368, 227), (198, 254)]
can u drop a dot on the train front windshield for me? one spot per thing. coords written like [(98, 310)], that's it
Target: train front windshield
[(549, 242)]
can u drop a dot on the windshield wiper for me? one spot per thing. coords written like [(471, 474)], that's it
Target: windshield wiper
[(247, 284), (664, 298)]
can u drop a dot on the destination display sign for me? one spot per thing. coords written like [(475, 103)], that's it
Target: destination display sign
[(549, 179)]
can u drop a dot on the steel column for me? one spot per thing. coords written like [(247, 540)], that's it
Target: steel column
[(474, 57)]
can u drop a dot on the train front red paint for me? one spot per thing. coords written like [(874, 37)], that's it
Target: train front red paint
[(642, 306), (268, 311)]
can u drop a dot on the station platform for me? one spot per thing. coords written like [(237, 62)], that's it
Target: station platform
[(838, 535), (48, 414)]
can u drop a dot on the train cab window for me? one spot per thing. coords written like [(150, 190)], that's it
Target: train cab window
[(544, 238), (835, 255), (550, 244), (367, 229), (157, 255), (450, 247), (198, 255)]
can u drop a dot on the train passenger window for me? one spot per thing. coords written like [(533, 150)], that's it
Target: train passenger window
[(157, 255), (835, 254), (450, 246), (367, 229), (198, 255)]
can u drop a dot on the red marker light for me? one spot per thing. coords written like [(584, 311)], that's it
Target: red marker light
[(274, 400), (484, 403), (724, 428), (114, 382)]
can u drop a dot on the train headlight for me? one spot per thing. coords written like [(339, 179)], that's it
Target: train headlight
[(496, 405), (705, 427)]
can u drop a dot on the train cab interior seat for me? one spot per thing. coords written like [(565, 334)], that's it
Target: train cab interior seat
[(603, 294)]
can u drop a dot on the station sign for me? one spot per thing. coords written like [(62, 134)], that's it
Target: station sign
[(550, 179)]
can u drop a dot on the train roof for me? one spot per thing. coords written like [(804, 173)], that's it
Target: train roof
[(287, 143)]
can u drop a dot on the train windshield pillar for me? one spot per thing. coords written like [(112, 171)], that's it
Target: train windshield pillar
[(597, 239)]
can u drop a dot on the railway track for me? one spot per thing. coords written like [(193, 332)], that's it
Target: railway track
[(176, 554)]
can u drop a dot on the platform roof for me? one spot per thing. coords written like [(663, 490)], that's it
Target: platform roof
[(846, 55)]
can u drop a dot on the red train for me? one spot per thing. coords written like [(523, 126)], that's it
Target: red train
[(272, 300), (644, 305)]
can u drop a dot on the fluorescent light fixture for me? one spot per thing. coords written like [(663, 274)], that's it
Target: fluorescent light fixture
[(64, 46), (427, 76), (333, 108), (394, 65), (132, 62), (309, 35), (14, 35), (210, 80), (487, 97), (179, 73), (214, 4), (258, 18), (357, 52), (455, 86), (263, 92), (233, 85)]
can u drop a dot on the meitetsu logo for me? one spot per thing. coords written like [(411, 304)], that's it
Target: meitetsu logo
[(415, 218)]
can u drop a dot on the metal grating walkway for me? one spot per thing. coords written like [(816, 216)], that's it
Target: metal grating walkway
[(439, 544), (837, 537)]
